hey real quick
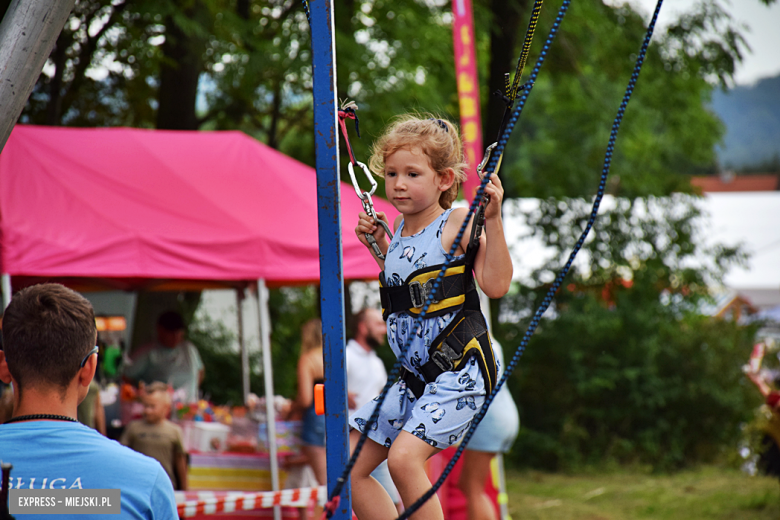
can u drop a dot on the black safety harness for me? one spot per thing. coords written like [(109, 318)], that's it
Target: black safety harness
[(465, 337)]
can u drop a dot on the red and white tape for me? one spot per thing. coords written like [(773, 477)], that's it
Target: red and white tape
[(212, 502)]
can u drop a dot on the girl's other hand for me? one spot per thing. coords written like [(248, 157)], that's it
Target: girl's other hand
[(495, 190)]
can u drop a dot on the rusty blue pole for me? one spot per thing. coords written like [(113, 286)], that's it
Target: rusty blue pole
[(331, 272)]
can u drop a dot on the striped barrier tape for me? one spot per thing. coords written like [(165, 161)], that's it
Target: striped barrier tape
[(192, 504)]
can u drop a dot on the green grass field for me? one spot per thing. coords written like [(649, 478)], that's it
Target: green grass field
[(708, 493)]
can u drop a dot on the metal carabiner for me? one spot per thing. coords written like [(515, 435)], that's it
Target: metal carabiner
[(486, 158), (480, 213), (368, 206), (355, 184)]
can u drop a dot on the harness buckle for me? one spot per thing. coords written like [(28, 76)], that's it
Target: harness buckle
[(419, 293), (444, 357)]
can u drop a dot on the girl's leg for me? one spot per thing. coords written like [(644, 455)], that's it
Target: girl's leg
[(406, 461), (370, 501), (473, 475)]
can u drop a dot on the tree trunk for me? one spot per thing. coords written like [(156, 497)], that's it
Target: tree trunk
[(179, 73), (276, 107), (242, 8), (507, 30), (54, 108)]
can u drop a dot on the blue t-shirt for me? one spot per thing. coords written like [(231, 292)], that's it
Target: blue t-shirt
[(64, 455)]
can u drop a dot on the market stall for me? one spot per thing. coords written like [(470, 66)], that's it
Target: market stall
[(135, 209)]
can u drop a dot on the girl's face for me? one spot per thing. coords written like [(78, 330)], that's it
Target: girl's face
[(410, 183)]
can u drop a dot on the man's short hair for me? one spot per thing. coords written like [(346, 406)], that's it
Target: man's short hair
[(48, 329), (171, 321)]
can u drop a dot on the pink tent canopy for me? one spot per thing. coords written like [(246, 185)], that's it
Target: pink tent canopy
[(134, 208)]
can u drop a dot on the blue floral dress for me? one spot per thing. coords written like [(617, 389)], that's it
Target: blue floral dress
[(444, 412)]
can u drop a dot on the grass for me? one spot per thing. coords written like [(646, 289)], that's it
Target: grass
[(707, 493)]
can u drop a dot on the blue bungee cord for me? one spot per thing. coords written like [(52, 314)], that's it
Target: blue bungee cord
[(551, 292), (562, 274), (394, 373)]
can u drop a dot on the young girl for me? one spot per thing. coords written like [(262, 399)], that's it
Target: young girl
[(449, 366)]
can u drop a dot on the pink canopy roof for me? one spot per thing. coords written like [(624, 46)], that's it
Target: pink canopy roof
[(126, 206)]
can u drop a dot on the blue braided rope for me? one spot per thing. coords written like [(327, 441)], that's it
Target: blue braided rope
[(559, 279), (492, 164), (307, 11), (548, 298)]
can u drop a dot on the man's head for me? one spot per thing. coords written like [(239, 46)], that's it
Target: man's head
[(157, 403), (48, 332), (170, 329), (369, 328)]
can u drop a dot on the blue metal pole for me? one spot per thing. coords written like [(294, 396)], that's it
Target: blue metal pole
[(331, 273)]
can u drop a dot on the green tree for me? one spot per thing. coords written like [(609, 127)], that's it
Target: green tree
[(625, 368), (290, 308), (222, 383), (117, 63), (668, 132)]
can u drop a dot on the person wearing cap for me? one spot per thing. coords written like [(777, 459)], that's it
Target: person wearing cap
[(171, 359)]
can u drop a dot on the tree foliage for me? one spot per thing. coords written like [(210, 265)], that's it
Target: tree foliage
[(668, 132), (222, 383), (639, 377), (625, 367)]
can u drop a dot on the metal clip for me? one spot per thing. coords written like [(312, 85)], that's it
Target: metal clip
[(445, 357), (368, 206), (360, 193), (420, 292), (486, 158), (374, 246)]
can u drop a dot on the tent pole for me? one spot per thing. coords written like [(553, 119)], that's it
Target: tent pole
[(268, 380), (28, 32), (241, 344), (5, 281), (331, 269)]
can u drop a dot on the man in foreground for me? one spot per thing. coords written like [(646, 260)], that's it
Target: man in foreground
[(49, 355)]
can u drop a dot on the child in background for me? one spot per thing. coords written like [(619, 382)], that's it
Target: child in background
[(427, 410), (157, 437)]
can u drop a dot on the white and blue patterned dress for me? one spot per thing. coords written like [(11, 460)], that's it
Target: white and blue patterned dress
[(443, 413)]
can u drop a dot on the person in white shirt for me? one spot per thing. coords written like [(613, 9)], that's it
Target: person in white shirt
[(367, 376)]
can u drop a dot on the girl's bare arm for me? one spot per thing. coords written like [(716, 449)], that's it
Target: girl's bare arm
[(493, 264)]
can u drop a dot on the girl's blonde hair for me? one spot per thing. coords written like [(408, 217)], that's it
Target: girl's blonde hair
[(437, 138), (311, 335)]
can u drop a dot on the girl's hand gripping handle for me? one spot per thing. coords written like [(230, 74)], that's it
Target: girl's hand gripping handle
[(373, 233)]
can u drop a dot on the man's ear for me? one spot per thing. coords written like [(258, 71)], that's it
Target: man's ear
[(5, 374), (87, 372), (446, 179)]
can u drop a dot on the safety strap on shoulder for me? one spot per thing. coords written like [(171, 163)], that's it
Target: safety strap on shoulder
[(411, 295)]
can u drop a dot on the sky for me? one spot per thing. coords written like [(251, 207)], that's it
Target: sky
[(763, 36)]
